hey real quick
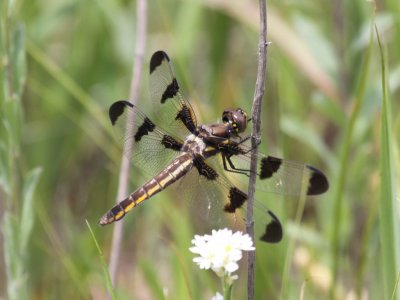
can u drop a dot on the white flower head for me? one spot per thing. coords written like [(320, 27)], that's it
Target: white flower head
[(221, 251)]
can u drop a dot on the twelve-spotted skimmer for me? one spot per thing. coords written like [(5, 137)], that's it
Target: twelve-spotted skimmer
[(199, 153)]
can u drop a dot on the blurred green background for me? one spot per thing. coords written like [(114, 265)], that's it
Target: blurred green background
[(64, 62)]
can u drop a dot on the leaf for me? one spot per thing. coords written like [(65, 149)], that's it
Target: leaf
[(388, 210), (103, 263), (27, 216)]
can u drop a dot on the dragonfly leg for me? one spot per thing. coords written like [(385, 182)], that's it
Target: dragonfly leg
[(246, 139), (242, 140), (233, 169)]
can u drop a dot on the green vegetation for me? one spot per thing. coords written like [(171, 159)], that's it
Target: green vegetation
[(331, 100)]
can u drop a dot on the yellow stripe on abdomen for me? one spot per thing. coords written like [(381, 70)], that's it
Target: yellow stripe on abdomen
[(174, 171)]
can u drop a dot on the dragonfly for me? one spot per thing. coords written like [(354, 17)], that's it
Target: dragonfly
[(176, 150)]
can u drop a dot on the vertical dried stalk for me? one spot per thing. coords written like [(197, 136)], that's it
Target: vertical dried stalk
[(255, 138), (141, 17)]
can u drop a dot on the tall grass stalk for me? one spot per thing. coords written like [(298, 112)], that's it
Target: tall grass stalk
[(141, 16), (388, 208), (103, 263), (339, 185), (16, 186)]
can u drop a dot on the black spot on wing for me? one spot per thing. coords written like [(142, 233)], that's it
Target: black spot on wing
[(204, 169), (146, 127), (187, 118), (117, 109), (269, 165), (236, 200), (170, 143), (318, 182), (157, 59), (273, 231), (171, 91)]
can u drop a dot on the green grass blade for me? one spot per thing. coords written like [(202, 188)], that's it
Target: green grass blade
[(13, 75), (16, 280), (340, 185), (396, 287), (103, 264), (388, 210), (27, 217)]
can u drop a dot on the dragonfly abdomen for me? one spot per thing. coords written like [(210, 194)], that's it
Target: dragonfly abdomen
[(172, 173)]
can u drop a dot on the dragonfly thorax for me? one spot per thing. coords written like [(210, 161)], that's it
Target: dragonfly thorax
[(194, 145)]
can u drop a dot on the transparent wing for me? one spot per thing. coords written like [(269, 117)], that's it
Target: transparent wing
[(282, 176), (275, 175), (172, 110), (214, 198), (148, 146)]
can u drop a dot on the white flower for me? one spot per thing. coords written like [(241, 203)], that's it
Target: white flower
[(221, 251), (217, 296)]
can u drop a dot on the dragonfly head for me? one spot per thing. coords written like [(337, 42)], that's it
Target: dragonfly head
[(236, 119)]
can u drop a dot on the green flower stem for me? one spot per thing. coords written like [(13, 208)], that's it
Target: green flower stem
[(227, 288)]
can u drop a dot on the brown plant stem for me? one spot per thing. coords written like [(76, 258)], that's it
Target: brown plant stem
[(141, 17), (255, 138)]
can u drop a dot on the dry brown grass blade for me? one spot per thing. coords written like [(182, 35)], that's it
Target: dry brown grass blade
[(282, 35)]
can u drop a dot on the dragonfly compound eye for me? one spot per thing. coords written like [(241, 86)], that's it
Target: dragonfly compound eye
[(239, 121)]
